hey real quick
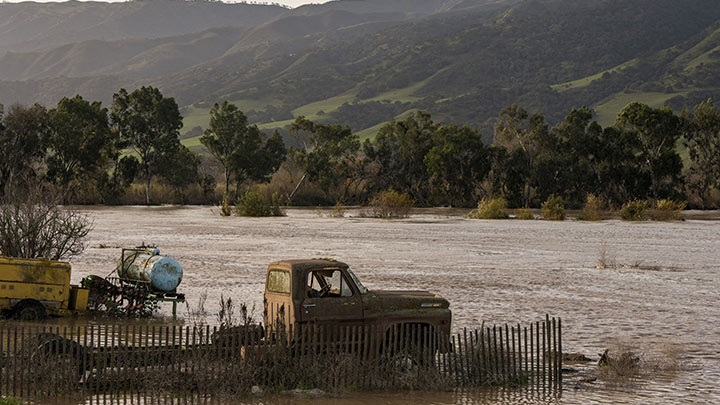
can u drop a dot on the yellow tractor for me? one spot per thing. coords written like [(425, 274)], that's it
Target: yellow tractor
[(31, 289)]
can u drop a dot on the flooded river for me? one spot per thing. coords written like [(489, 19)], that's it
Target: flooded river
[(659, 288)]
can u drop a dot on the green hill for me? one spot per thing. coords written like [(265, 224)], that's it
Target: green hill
[(366, 62)]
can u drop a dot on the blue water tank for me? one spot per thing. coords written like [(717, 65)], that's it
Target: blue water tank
[(163, 272)]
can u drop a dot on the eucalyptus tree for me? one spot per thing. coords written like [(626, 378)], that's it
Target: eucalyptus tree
[(150, 124), (328, 156), (23, 133), (522, 134), (79, 140), (701, 130), (657, 131), (244, 151)]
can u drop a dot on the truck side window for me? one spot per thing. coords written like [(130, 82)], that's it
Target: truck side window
[(327, 283)]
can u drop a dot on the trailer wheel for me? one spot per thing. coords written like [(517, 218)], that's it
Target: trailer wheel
[(29, 310)]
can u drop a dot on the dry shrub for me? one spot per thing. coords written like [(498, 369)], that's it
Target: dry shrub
[(620, 363), (666, 210), (391, 204), (634, 211), (623, 363), (490, 208), (553, 208), (605, 259), (33, 225), (593, 208), (524, 214)]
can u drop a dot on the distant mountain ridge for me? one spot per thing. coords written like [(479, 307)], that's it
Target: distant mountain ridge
[(30, 26), (367, 61)]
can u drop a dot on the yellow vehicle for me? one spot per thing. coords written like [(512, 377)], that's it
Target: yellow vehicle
[(33, 288)]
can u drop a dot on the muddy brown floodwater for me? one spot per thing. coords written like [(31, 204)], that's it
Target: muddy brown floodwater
[(660, 287)]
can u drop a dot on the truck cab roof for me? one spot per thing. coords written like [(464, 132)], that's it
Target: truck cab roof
[(299, 265)]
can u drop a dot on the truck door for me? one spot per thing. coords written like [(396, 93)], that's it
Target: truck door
[(330, 298), (278, 305)]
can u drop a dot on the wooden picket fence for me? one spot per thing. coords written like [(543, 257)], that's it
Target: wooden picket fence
[(121, 360)]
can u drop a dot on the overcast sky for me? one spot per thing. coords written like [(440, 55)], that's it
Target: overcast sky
[(292, 3)]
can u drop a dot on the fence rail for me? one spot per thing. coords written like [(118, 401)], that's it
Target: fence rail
[(124, 359)]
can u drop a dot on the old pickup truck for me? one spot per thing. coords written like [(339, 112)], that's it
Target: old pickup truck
[(327, 292)]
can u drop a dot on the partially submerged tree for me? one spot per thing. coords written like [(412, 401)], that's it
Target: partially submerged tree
[(33, 225), (150, 123)]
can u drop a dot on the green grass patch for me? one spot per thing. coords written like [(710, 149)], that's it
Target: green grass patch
[(585, 81), (310, 111), (607, 110)]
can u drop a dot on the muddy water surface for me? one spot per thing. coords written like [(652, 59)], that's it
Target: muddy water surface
[(660, 287)]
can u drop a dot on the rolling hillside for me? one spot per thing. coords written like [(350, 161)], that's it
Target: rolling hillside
[(364, 62)]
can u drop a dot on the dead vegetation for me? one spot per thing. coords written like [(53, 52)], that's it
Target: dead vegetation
[(627, 364)]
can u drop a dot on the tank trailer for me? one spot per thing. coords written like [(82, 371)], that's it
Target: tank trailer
[(32, 289)]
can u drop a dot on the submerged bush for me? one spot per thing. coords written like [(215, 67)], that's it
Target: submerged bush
[(666, 210), (634, 211), (338, 211), (225, 209), (275, 209), (593, 208), (255, 205), (524, 214), (391, 204), (554, 208), (490, 209)]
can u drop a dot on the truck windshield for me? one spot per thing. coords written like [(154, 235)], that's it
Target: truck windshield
[(359, 285)]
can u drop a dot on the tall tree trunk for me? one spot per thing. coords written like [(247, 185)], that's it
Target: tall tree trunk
[(147, 187), (227, 181)]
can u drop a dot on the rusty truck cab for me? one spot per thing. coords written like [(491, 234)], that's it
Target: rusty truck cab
[(327, 292)]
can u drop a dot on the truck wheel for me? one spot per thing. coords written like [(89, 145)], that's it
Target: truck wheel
[(29, 311)]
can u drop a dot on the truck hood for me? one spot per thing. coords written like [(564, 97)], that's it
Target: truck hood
[(409, 299)]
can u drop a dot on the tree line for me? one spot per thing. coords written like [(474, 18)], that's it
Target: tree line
[(95, 154)]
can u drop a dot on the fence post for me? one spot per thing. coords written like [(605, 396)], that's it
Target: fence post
[(514, 354), (560, 356), (555, 353), (519, 356)]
